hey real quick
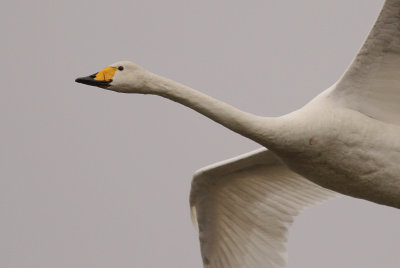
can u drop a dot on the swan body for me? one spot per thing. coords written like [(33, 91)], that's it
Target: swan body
[(346, 140), (343, 150)]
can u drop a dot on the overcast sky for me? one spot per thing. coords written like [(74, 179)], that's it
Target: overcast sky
[(90, 178)]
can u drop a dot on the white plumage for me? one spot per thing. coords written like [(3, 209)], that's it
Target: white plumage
[(346, 140), (245, 207)]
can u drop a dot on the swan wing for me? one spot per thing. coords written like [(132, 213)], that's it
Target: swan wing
[(243, 208), (371, 85)]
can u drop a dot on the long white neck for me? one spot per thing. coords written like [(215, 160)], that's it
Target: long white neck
[(259, 129)]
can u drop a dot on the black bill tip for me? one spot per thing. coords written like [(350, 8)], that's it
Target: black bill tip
[(89, 80)]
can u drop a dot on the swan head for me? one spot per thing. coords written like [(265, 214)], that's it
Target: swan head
[(122, 76)]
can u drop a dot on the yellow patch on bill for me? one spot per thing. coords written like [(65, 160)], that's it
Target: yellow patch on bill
[(106, 74)]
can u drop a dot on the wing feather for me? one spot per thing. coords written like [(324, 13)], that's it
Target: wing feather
[(371, 85), (244, 207)]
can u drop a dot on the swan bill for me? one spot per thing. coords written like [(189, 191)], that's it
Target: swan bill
[(102, 78)]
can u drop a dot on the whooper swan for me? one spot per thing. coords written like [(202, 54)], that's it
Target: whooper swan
[(346, 140)]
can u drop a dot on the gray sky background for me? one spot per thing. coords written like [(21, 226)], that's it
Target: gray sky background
[(91, 178)]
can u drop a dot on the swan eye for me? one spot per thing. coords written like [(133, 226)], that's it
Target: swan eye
[(120, 68)]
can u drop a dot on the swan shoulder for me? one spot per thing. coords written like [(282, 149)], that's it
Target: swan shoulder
[(243, 208)]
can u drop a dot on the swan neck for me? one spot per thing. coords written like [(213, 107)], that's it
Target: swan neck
[(246, 124)]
